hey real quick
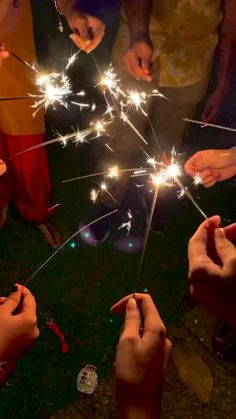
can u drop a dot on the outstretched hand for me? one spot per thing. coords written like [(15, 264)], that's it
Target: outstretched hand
[(141, 357), (212, 268), (18, 323), (212, 165)]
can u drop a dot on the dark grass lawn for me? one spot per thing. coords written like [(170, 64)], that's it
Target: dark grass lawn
[(78, 287)]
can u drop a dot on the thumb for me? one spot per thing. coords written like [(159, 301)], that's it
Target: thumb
[(12, 302), (132, 319), (224, 247)]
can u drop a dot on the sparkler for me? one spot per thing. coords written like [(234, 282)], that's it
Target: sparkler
[(206, 124), (54, 88), (86, 135), (66, 242), (72, 59)]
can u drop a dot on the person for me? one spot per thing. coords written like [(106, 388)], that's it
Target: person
[(212, 165), (18, 330), (27, 181), (141, 358)]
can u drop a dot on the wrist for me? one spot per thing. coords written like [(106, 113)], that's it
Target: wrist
[(139, 35)]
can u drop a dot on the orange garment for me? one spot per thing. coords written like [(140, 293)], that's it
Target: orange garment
[(16, 31)]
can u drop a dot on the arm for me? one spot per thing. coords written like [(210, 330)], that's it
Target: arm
[(226, 51), (137, 58), (138, 14)]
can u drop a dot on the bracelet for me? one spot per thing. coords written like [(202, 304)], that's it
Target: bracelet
[(59, 14), (57, 7)]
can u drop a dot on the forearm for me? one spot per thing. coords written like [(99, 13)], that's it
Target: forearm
[(138, 14), (226, 49), (91, 7)]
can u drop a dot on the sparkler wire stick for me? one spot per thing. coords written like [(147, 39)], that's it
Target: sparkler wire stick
[(96, 174), (65, 243), (154, 201), (190, 197), (205, 124), (32, 67), (14, 98)]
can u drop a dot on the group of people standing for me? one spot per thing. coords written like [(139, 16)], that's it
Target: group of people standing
[(167, 45)]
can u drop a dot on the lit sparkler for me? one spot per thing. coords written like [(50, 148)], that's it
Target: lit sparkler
[(54, 89)]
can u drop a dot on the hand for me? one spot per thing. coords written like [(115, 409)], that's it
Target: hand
[(213, 106), (3, 53), (88, 30), (137, 58), (18, 323), (212, 165), (212, 268), (141, 358)]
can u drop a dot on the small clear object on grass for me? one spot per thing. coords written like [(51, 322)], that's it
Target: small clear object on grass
[(87, 379)]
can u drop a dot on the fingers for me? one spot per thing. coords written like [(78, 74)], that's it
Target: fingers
[(132, 319), (193, 164), (197, 246), (133, 64), (120, 306), (28, 302), (224, 247), (11, 303), (79, 42)]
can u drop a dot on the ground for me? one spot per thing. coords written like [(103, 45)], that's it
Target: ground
[(77, 289)]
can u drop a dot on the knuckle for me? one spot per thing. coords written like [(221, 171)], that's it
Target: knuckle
[(128, 340)]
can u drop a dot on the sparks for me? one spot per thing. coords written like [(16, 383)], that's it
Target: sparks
[(93, 195), (113, 172), (197, 180), (72, 59), (128, 224), (54, 89)]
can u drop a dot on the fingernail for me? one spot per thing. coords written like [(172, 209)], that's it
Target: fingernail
[(14, 288), (72, 36), (219, 233), (132, 304)]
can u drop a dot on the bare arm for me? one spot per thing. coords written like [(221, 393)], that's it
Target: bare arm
[(138, 14), (226, 50), (227, 44)]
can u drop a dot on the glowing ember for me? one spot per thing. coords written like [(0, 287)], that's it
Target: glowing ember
[(113, 172)]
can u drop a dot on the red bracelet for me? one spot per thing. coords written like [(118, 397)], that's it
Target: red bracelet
[(6, 370)]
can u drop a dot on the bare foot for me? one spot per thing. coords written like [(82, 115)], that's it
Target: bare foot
[(51, 236), (3, 215)]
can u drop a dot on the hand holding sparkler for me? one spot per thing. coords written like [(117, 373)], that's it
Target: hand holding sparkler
[(141, 358), (212, 165), (212, 268), (18, 323), (88, 30), (137, 58)]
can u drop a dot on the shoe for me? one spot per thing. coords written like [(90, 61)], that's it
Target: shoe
[(99, 231)]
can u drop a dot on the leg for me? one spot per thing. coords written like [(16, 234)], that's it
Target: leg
[(31, 185), (168, 114)]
